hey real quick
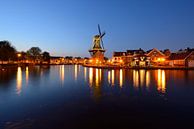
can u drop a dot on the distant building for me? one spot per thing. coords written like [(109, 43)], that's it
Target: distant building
[(141, 60), (78, 60), (137, 57), (57, 60), (182, 59), (118, 58), (167, 52), (131, 58), (157, 57)]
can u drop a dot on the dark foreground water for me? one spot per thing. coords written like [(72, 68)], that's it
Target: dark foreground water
[(76, 97)]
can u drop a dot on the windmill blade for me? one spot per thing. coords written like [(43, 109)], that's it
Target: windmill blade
[(102, 34), (99, 30), (102, 43)]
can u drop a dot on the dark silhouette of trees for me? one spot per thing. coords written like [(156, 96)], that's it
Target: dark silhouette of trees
[(69, 57), (46, 56), (34, 53), (77, 57), (7, 51)]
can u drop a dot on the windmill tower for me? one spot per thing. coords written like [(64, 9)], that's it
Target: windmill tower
[(97, 50)]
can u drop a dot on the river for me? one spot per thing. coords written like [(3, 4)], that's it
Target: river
[(72, 96)]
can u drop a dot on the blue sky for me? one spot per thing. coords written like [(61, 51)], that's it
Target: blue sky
[(66, 27)]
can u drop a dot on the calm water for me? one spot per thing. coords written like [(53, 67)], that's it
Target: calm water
[(76, 97)]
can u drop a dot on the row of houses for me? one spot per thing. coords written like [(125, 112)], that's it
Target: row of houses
[(62, 60), (53, 60), (153, 57)]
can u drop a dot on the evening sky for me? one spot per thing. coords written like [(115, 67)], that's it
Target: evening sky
[(66, 27)]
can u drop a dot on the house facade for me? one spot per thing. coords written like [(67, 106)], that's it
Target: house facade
[(131, 58), (118, 58), (182, 59), (157, 58), (57, 60)]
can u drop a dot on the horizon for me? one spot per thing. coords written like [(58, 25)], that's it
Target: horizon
[(66, 28)]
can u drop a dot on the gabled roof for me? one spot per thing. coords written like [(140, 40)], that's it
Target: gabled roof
[(138, 51), (180, 55), (154, 49), (119, 53), (140, 55)]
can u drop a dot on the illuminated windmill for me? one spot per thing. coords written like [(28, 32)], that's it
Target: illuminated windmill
[(97, 51)]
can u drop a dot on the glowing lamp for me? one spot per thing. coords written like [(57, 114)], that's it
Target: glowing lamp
[(19, 55)]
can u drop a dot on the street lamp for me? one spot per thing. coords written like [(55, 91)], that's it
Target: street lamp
[(19, 55)]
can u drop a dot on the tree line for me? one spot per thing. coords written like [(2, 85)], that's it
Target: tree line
[(9, 53)]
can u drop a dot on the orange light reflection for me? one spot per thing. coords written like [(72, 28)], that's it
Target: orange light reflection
[(161, 81), (27, 75), (121, 78), (19, 80)]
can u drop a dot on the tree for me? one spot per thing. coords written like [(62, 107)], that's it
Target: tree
[(7, 51), (69, 57), (34, 53), (46, 56)]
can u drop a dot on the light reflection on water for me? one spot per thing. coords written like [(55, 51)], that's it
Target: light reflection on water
[(147, 78), (109, 77), (85, 73), (27, 75), (140, 78), (113, 77), (90, 76), (76, 71), (136, 78), (19, 81), (62, 73), (119, 91), (161, 81), (121, 77)]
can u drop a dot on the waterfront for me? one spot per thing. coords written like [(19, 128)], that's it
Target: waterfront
[(72, 96)]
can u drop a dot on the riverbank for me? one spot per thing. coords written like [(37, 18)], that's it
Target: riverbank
[(10, 66), (138, 67), (6, 66)]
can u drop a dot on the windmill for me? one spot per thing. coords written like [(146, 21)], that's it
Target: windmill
[(97, 51)]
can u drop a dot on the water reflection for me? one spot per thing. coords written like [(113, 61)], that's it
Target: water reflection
[(161, 81), (142, 77), (90, 76), (85, 73), (19, 81), (79, 94), (27, 75), (95, 77), (121, 77), (109, 81), (100, 70), (113, 77), (76, 71), (136, 78), (147, 78), (62, 73)]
